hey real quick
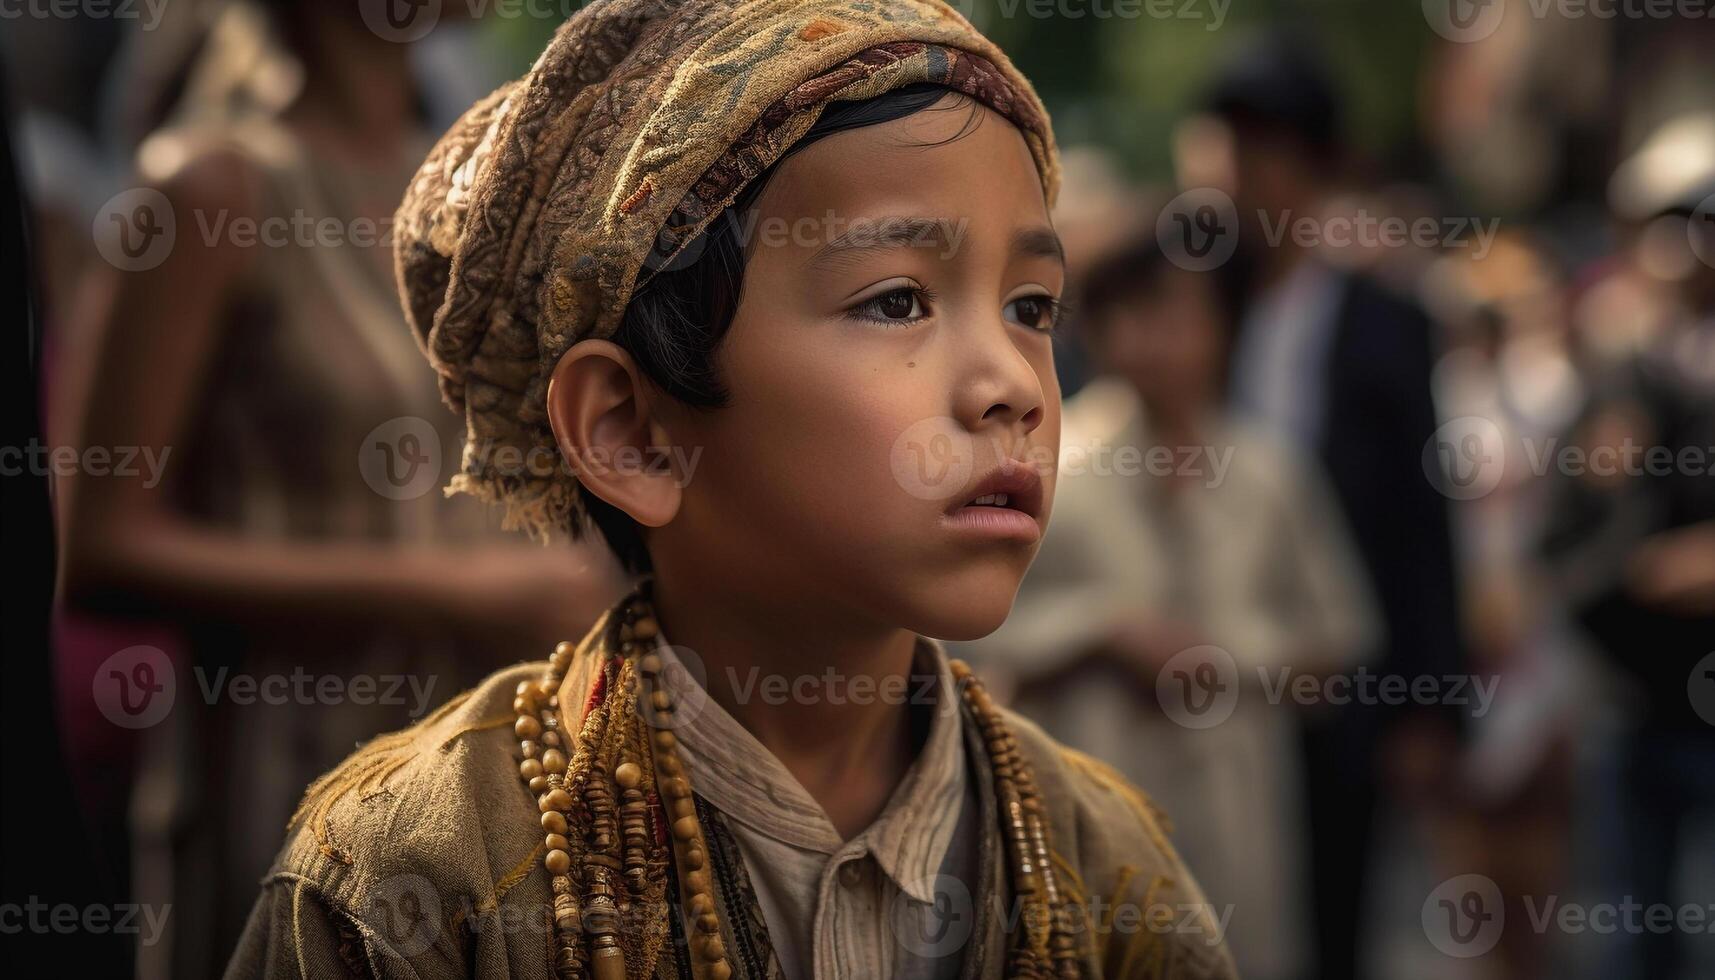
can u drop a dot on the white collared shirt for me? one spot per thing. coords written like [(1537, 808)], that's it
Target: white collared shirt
[(1280, 359), (837, 908)]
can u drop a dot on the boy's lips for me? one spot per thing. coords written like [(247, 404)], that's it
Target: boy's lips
[(1005, 503)]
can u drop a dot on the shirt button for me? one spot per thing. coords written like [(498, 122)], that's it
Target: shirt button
[(850, 874)]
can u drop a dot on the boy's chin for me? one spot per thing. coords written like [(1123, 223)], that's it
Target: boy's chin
[(955, 610)]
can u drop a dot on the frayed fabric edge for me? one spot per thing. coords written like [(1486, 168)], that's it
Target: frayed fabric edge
[(539, 506)]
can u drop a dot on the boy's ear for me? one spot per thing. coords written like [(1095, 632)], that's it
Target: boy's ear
[(599, 408)]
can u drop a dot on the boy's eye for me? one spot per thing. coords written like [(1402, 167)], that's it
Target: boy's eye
[(1038, 312), (900, 305)]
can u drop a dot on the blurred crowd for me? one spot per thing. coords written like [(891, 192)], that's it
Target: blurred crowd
[(1383, 553), (1404, 607)]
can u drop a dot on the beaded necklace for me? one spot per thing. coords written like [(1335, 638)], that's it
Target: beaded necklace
[(619, 808)]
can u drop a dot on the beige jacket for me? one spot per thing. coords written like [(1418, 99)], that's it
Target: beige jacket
[(420, 857)]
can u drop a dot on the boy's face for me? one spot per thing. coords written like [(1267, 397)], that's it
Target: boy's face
[(890, 355)]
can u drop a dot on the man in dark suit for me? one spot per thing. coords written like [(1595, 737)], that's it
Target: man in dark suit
[(1341, 366)]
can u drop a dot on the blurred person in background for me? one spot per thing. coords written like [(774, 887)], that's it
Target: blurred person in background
[(298, 528), (1339, 367), (1237, 544), (1511, 381), (1630, 543)]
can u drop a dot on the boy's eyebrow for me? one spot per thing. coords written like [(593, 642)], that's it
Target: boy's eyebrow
[(882, 234), (1039, 242)]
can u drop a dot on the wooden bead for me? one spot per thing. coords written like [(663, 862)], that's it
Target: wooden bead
[(530, 749), (527, 727), (607, 963), (709, 922), (554, 822), (530, 768), (720, 970), (694, 857), (651, 664), (697, 881), (558, 842), (684, 808), (644, 629), (664, 741), (538, 785), (566, 913), (556, 799), (702, 903), (551, 739), (685, 828), (554, 760), (628, 775), (557, 862), (565, 648), (669, 765), (712, 948), (661, 701), (675, 788)]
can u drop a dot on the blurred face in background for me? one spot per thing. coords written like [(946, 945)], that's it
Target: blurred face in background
[(1168, 341), (1266, 169), (1277, 176)]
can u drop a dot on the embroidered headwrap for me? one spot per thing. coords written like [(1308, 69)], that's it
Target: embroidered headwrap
[(547, 204)]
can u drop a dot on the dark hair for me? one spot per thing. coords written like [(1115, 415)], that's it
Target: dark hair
[(1136, 269), (674, 324), (1279, 82)]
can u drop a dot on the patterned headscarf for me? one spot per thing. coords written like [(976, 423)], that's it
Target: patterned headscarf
[(539, 213)]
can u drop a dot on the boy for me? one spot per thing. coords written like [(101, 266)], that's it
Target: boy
[(735, 263)]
